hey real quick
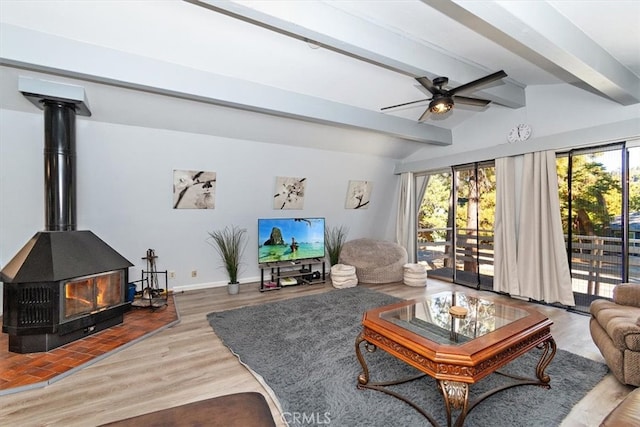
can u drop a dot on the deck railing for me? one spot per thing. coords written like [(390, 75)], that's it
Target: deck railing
[(471, 246), (595, 260)]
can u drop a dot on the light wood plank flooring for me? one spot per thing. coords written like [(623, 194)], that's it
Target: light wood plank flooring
[(187, 363)]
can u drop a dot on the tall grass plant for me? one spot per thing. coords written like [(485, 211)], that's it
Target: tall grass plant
[(230, 244), (334, 239)]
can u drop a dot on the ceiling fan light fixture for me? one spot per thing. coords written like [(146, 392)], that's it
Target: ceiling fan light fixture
[(441, 105), (442, 100)]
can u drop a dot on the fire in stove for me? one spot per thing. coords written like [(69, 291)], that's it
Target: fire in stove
[(91, 294)]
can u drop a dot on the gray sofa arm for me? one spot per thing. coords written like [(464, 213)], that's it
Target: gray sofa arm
[(627, 294)]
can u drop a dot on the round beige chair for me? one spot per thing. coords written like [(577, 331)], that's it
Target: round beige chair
[(343, 276), (415, 275), (376, 261)]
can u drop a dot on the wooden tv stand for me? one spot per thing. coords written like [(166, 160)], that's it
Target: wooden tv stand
[(301, 271)]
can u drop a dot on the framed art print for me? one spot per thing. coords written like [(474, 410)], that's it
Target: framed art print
[(358, 194), (194, 189), (289, 193)]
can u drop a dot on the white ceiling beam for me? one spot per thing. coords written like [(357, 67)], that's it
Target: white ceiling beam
[(539, 33), (24, 48), (363, 40)]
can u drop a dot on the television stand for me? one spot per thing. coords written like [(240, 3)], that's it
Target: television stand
[(289, 273)]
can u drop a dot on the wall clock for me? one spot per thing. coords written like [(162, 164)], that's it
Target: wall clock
[(519, 133)]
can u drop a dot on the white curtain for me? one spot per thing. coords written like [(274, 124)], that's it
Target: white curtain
[(505, 271), (543, 269), (406, 224), (404, 229)]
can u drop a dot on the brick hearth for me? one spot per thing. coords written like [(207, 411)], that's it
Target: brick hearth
[(24, 371)]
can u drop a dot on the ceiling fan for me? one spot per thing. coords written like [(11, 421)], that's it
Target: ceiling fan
[(443, 100)]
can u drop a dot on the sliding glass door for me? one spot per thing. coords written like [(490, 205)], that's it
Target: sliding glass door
[(599, 191), (455, 233), (633, 245), (593, 203), (435, 226)]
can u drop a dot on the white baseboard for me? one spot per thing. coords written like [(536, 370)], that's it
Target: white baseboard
[(198, 286)]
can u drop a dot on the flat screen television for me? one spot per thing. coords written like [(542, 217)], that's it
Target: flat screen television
[(290, 239)]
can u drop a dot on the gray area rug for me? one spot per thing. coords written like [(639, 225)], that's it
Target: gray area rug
[(304, 348)]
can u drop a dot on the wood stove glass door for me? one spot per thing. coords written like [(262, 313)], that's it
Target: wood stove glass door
[(78, 297), (109, 289), (92, 293)]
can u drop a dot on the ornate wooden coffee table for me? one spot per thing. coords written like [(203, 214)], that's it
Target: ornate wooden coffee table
[(457, 346)]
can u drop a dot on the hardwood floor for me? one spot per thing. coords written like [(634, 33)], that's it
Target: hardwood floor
[(187, 363)]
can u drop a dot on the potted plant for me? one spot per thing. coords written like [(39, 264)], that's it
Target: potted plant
[(230, 243), (334, 239)]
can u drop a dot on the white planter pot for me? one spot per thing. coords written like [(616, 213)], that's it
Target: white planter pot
[(233, 288)]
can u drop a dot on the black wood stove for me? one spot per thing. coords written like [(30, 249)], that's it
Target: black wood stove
[(63, 284)]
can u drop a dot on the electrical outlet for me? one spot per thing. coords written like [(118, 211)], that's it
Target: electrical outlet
[(194, 273), (172, 275)]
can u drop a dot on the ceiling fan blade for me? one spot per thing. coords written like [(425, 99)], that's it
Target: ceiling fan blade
[(427, 84), (424, 115), (479, 82), (403, 104), (471, 101)]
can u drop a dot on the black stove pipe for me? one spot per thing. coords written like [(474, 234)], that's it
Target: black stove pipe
[(59, 165)]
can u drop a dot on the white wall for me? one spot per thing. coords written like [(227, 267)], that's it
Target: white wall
[(124, 191)]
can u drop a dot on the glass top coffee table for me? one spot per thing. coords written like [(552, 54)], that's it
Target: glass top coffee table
[(457, 339)]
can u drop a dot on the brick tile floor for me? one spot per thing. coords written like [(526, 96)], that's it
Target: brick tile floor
[(24, 370)]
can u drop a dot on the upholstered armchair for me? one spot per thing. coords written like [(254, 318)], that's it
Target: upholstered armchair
[(615, 329)]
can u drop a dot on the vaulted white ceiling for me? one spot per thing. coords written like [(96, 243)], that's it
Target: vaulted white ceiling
[(308, 71)]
